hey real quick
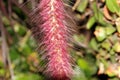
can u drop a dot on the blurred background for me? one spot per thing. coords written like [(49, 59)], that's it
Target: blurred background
[(95, 48)]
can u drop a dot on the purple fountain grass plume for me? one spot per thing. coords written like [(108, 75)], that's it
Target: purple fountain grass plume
[(54, 42)]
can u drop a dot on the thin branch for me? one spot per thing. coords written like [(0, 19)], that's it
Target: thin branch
[(76, 5), (3, 8), (9, 8), (5, 51)]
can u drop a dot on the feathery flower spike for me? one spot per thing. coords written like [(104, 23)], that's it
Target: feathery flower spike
[(55, 31)]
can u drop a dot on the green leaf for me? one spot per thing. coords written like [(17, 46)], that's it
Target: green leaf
[(83, 64), (28, 76), (110, 73), (14, 53), (5, 21), (98, 14), (102, 52), (79, 38), (118, 24), (106, 45), (91, 22), (20, 29), (112, 52), (82, 6), (113, 6), (2, 72), (100, 33), (116, 47), (93, 44), (110, 29), (26, 49), (113, 38)]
